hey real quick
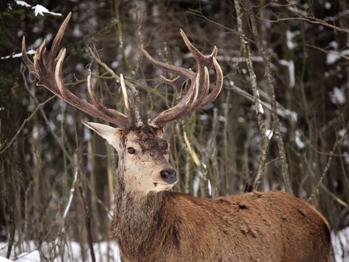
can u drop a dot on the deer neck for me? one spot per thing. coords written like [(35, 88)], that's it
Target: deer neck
[(136, 217)]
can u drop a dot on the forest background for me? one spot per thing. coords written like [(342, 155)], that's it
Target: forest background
[(281, 119)]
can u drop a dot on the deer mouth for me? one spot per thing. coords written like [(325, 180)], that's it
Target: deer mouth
[(158, 183)]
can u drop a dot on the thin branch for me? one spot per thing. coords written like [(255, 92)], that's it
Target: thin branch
[(71, 196), (311, 20), (263, 50), (5, 147), (43, 114), (337, 199), (134, 95), (93, 54), (257, 101), (280, 110), (315, 191)]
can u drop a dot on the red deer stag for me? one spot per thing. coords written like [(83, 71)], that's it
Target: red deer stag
[(151, 223)]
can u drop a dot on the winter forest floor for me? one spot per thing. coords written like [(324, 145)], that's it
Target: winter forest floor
[(109, 251)]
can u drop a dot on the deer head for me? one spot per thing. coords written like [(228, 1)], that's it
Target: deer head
[(142, 151)]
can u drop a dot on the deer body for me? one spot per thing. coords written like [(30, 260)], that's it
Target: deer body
[(153, 224), (268, 227)]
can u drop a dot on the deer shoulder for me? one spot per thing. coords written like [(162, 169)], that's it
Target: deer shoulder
[(257, 226)]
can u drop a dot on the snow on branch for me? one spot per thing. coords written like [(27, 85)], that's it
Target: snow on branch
[(29, 52), (333, 56), (41, 10), (291, 71), (38, 9), (22, 3)]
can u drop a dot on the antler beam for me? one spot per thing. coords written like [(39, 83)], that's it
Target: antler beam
[(47, 69), (199, 93)]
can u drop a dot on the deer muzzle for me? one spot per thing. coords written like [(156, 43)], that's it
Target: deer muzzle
[(168, 175)]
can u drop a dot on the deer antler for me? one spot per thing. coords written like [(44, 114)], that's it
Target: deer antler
[(198, 94), (47, 69)]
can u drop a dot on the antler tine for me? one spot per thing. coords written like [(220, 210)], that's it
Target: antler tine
[(129, 106), (219, 85), (195, 52), (39, 64), (96, 109), (176, 82), (58, 39), (203, 61), (100, 106), (181, 108), (91, 94), (48, 72), (58, 73), (209, 97), (176, 69), (206, 89), (29, 64)]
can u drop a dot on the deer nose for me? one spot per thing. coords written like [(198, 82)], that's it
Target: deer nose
[(168, 175)]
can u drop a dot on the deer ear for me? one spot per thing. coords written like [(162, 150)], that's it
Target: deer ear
[(111, 134)]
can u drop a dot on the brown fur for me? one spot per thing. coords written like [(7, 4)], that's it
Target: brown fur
[(260, 227)]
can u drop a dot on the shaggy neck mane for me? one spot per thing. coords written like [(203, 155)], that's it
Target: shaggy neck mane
[(140, 223)]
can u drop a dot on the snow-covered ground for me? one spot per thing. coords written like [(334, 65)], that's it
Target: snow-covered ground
[(340, 242), (104, 251), (109, 251)]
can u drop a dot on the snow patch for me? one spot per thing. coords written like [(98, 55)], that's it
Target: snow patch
[(340, 243), (109, 250), (259, 104), (104, 251), (29, 257), (77, 31), (3, 259), (29, 52), (299, 143), (333, 44), (115, 64), (22, 3), (269, 133), (38, 9), (298, 11), (342, 132), (346, 157), (293, 115), (221, 119), (260, 108), (209, 187), (203, 117), (36, 132), (328, 5), (196, 185), (289, 36), (41, 10), (291, 71), (69, 119), (337, 96), (87, 134), (239, 59), (333, 56)]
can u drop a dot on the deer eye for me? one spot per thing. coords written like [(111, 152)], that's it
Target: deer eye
[(131, 150), (163, 146)]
